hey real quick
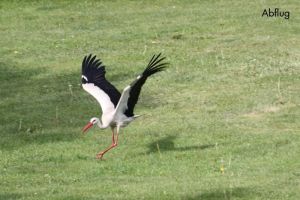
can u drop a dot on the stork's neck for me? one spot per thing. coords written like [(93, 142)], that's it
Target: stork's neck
[(99, 123)]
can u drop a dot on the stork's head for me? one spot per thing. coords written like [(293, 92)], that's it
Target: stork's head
[(92, 122)]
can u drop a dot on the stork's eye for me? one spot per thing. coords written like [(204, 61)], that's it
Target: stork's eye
[(83, 81)]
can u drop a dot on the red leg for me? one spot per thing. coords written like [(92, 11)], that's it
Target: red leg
[(114, 144)]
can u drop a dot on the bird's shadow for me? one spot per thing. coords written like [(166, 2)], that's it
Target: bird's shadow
[(167, 144)]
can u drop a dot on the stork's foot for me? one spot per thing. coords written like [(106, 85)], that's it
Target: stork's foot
[(100, 154)]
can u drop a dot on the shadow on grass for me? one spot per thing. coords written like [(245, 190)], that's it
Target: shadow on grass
[(231, 193), (167, 144), (10, 196), (37, 106)]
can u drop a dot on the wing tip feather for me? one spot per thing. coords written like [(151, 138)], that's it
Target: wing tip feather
[(155, 65)]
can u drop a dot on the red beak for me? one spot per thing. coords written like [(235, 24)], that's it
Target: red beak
[(89, 125)]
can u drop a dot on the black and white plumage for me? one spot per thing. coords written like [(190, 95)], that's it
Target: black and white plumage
[(117, 108)]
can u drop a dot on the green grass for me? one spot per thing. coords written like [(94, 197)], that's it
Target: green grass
[(221, 123)]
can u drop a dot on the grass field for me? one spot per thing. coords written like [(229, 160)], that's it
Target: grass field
[(221, 123)]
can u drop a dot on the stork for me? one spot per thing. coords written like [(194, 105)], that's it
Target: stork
[(117, 108)]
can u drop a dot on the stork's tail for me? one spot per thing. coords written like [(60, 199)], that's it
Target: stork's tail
[(137, 116)]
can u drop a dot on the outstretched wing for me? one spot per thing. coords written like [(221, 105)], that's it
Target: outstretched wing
[(130, 94), (94, 82)]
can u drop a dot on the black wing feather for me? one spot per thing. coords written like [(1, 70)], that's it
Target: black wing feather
[(94, 71), (153, 67)]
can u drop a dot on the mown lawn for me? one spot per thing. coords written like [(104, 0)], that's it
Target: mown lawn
[(221, 123)]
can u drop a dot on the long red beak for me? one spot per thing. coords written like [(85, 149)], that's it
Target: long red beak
[(89, 125)]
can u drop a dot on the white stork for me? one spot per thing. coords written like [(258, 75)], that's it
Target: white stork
[(117, 108)]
